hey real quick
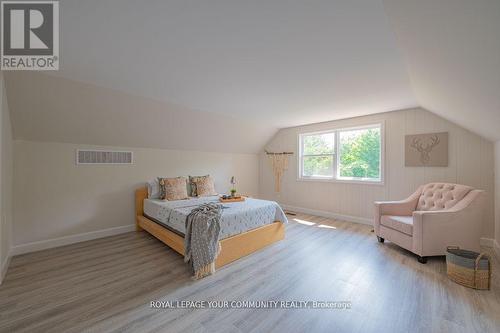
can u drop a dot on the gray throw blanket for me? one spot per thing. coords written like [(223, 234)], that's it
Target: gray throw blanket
[(201, 242)]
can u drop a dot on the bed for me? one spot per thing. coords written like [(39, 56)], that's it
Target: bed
[(246, 226)]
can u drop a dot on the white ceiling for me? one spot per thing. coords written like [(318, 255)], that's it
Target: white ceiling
[(452, 50), (280, 61), (262, 65)]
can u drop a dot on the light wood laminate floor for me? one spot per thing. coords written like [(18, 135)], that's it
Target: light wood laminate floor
[(106, 285)]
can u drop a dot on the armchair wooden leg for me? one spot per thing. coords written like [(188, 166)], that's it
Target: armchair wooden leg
[(380, 239), (422, 260)]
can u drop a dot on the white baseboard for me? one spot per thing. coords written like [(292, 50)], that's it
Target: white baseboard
[(332, 215), (489, 242), (4, 266), (61, 241)]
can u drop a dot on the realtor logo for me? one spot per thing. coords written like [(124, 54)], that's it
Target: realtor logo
[(30, 35)]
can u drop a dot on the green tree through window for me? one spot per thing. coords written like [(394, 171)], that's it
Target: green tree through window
[(359, 153), (318, 158)]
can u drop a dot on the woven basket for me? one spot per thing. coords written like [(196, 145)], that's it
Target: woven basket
[(468, 268)]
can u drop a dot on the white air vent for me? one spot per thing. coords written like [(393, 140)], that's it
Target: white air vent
[(103, 157)]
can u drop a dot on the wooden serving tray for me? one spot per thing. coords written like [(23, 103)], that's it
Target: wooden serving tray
[(237, 199)]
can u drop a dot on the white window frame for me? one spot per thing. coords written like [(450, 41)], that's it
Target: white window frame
[(301, 155), (336, 156)]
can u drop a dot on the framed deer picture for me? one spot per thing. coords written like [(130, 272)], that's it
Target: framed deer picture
[(426, 150)]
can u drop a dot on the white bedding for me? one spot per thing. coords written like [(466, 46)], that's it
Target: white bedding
[(237, 217)]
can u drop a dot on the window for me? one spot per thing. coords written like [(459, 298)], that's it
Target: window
[(360, 154), (353, 154), (318, 155)]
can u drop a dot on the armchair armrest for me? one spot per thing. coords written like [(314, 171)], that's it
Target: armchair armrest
[(460, 225), (401, 208)]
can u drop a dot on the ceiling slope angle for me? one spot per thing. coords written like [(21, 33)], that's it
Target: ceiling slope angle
[(53, 109), (452, 50), (278, 62)]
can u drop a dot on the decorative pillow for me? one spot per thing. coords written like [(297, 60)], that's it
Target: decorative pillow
[(192, 184), (153, 189), (173, 188), (205, 187)]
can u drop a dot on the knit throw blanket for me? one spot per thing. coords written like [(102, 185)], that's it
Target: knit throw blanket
[(201, 242)]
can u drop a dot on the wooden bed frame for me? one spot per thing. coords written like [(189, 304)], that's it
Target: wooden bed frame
[(232, 248)]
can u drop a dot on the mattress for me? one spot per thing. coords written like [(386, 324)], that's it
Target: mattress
[(237, 217)]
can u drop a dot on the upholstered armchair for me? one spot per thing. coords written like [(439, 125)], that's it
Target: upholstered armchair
[(437, 215)]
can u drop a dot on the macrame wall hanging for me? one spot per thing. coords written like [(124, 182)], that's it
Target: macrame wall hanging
[(279, 163)]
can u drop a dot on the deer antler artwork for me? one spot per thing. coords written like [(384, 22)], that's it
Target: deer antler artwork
[(425, 149)]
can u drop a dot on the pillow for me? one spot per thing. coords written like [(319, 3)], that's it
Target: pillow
[(205, 187), (192, 184), (173, 188), (153, 189)]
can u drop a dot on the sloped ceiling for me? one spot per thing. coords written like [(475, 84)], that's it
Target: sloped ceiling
[(452, 51), (275, 63), (55, 109), (147, 74)]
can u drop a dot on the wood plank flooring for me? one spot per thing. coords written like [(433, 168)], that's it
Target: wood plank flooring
[(106, 285)]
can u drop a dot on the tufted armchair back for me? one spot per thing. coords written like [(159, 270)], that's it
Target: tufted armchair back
[(440, 196)]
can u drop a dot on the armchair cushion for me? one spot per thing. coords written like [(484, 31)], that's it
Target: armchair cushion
[(441, 196), (402, 224)]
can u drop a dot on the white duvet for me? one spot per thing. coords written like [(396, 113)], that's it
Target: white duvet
[(237, 217)]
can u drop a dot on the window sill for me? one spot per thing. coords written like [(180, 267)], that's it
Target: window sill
[(344, 181)]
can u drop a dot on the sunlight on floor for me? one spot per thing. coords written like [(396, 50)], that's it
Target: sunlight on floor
[(304, 222), (313, 223)]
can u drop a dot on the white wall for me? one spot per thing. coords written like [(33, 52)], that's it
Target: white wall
[(5, 180), (497, 197), (53, 197), (470, 162)]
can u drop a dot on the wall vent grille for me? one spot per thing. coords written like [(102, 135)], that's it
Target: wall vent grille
[(103, 157)]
